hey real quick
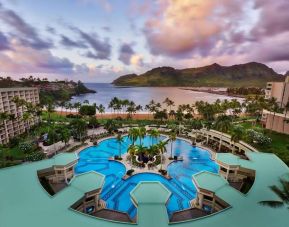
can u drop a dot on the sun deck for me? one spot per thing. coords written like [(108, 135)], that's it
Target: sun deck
[(22, 196)]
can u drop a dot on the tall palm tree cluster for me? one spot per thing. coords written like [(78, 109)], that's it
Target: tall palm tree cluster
[(139, 134)]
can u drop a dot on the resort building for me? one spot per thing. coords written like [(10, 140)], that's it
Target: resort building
[(14, 126), (59, 174), (278, 122)]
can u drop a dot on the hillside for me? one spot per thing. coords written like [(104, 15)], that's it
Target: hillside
[(55, 90), (245, 75)]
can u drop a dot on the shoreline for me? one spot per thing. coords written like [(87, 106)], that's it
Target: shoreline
[(137, 116), (211, 91)]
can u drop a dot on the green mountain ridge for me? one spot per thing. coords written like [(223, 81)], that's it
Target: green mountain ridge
[(251, 74)]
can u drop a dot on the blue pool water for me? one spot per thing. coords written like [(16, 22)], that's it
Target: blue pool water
[(116, 191)]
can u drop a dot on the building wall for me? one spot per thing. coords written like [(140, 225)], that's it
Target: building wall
[(279, 124), (11, 128)]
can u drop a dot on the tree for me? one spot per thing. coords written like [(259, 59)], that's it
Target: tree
[(237, 135), (162, 115), (110, 125), (169, 103), (223, 124), (78, 127), (64, 135), (100, 109), (162, 149), (87, 110), (172, 138), (141, 133), (119, 140), (282, 192), (133, 134), (132, 150), (154, 133)]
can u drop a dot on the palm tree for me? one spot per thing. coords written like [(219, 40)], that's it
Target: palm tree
[(223, 124), (119, 140), (154, 133), (169, 103), (101, 109), (162, 149), (79, 126), (237, 135), (172, 138), (282, 192), (64, 135), (133, 134), (141, 133), (132, 150)]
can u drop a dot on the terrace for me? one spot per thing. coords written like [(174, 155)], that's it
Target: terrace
[(216, 198)]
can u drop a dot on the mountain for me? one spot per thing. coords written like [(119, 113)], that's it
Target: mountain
[(251, 74)]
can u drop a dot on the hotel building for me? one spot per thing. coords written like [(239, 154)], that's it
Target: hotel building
[(278, 122), (10, 128)]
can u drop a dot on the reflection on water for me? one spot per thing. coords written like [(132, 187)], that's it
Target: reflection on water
[(143, 95)]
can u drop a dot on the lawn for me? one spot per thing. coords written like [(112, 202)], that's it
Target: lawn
[(279, 145)]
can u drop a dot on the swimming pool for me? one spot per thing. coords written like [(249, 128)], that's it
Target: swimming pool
[(116, 191)]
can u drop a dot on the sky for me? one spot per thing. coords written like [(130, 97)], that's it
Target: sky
[(99, 40)]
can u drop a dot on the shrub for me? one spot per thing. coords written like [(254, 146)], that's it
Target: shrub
[(25, 147), (258, 137), (87, 110), (35, 156), (163, 172), (130, 172)]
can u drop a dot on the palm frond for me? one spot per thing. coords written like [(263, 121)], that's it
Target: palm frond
[(279, 192), (274, 204)]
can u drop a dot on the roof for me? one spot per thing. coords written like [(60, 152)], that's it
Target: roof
[(64, 159), (33, 206), (228, 158), (88, 181), (150, 192), (209, 181), (18, 89)]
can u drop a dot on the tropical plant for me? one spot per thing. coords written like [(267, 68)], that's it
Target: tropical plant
[(154, 134), (119, 140), (141, 133), (236, 135), (282, 192), (132, 150), (169, 103), (172, 138), (78, 127), (162, 149), (110, 125), (223, 124), (133, 135)]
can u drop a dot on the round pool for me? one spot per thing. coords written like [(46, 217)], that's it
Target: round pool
[(116, 191)]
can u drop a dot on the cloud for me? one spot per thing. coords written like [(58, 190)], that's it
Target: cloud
[(27, 59), (184, 26), (273, 17), (27, 34), (4, 43), (125, 53), (101, 48), (136, 60), (51, 30), (67, 42)]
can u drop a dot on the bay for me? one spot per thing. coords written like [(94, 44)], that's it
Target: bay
[(143, 95)]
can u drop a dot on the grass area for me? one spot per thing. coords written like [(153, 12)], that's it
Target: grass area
[(279, 145)]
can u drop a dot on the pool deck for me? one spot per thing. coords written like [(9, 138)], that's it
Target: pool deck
[(25, 203)]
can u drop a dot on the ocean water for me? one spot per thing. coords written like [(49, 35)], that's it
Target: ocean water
[(143, 95)]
